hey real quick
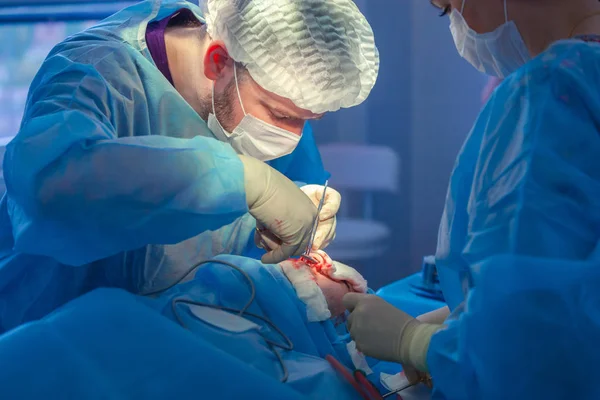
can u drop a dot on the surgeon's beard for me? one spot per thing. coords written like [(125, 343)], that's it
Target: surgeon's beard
[(223, 106)]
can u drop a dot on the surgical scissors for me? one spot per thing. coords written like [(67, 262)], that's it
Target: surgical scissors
[(424, 379), (363, 386), (408, 385), (313, 231)]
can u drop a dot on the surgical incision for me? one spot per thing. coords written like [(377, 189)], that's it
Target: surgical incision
[(334, 280)]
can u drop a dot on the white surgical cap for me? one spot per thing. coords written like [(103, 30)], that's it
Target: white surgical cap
[(320, 54)]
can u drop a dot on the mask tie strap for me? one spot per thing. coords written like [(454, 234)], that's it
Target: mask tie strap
[(213, 99), (215, 111), (238, 88), (462, 7)]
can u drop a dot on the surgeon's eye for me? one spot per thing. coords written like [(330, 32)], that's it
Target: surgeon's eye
[(281, 117), (439, 4)]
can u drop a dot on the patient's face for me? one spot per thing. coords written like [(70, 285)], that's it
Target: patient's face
[(322, 283), (334, 292)]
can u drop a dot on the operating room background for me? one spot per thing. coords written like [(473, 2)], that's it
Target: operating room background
[(422, 107)]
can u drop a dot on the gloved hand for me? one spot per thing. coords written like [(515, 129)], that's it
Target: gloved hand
[(434, 317), (278, 205), (327, 218), (382, 331)]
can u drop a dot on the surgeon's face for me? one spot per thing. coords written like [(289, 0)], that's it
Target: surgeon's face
[(481, 15), (257, 101)]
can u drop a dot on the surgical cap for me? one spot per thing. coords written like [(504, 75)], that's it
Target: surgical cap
[(320, 54)]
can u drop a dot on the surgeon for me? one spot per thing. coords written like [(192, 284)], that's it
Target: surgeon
[(167, 134), (518, 250)]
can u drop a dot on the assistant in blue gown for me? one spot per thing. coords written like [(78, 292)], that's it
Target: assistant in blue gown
[(113, 179), (518, 249)]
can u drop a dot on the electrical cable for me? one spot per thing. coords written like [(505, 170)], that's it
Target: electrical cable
[(243, 312)]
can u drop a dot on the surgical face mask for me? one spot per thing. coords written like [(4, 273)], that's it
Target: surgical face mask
[(253, 137), (497, 53)]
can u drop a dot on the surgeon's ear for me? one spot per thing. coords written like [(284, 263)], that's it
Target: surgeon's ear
[(217, 62)]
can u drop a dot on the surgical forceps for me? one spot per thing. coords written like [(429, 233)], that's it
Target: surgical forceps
[(313, 231)]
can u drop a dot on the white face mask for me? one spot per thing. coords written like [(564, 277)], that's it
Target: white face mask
[(497, 53), (253, 137)]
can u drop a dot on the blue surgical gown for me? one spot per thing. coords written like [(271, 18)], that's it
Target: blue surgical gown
[(518, 250), (113, 179), (109, 344)]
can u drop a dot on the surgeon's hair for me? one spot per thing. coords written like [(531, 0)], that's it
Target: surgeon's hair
[(202, 32), (185, 18), (242, 72)]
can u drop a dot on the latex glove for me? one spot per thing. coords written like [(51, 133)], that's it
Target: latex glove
[(382, 331), (434, 317), (327, 218), (278, 205), (265, 239)]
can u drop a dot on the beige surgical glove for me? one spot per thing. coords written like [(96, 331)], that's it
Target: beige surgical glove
[(382, 331), (327, 218), (280, 207), (433, 317)]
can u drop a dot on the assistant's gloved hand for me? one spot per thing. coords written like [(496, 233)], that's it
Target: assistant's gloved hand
[(280, 207), (433, 317), (382, 331), (327, 218)]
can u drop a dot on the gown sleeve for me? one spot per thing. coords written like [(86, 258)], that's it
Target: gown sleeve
[(80, 190), (530, 322)]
